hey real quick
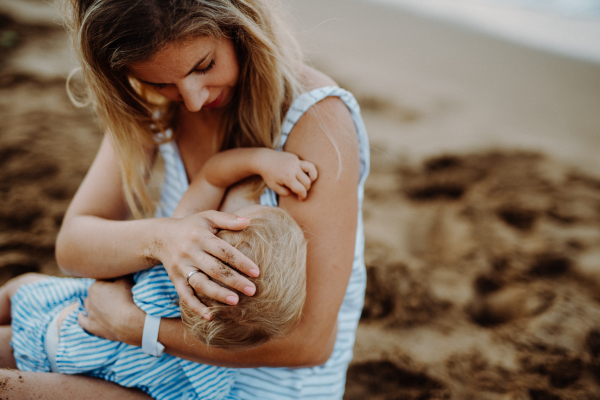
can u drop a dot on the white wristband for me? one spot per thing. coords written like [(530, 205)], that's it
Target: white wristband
[(150, 343)]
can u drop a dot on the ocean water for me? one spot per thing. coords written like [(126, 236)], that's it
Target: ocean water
[(568, 27)]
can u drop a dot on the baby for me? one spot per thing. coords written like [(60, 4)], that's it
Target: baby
[(44, 309)]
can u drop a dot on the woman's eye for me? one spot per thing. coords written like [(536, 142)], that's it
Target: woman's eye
[(205, 70), (159, 86)]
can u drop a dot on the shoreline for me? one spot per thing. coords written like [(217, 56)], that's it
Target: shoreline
[(574, 34)]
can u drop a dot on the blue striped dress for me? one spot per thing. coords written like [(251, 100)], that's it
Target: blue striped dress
[(168, 377)]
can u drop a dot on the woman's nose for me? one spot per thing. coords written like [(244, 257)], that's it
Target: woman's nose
[(194, 97)]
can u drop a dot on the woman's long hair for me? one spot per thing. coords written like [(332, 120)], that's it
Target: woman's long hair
[(108, 35)]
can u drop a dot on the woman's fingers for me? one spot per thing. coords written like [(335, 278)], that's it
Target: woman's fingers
[(93, 324), (203, 284), (223, 250), (221, 271), (200, 248), (187, 295), (111, 312), (216, 220)]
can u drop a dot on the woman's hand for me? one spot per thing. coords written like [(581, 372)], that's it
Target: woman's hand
[(286, 173), (190, 244), (112, 314)]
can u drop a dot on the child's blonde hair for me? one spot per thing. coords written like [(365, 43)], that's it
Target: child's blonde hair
[(275, 242)]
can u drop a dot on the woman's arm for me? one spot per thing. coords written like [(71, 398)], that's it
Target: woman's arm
[(91, 242), (96, 241), (329, 217)]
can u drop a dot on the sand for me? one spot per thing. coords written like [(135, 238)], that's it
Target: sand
[(482, 211)]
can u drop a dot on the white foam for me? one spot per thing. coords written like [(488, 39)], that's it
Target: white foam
[(571, 28)]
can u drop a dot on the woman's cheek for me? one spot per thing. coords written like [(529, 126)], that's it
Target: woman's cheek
[(170, 93)]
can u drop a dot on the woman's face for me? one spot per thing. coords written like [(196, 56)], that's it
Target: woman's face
[(200, 72)]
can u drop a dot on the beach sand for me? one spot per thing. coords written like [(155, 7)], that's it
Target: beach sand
[(482, 210)]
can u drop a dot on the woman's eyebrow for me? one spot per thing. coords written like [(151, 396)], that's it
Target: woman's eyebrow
[(196, 65), (188, 74)]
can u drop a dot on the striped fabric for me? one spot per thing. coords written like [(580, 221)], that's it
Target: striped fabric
[(326, 381), (165, 377)]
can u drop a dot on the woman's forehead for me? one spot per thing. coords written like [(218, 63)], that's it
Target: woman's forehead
[(176, 59)]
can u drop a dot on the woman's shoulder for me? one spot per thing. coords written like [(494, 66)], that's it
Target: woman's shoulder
[(313, 79), (329, 114), (329, 107), (329, 120)]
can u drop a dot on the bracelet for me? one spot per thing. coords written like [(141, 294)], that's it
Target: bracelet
[(150, 343)]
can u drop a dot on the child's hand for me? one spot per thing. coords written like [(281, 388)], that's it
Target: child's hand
[(285, 173)]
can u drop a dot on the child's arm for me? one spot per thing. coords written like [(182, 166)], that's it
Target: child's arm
[(282, 172)]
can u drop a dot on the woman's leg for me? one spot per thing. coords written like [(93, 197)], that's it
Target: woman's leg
[(21, 385), (7, 360)]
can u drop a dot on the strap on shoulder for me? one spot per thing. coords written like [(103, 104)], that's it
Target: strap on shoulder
[(305, 101)]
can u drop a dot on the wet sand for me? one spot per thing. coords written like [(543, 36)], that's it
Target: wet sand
[(482, 211)]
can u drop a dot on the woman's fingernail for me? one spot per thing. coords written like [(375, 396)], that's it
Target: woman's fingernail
[(254, 272), (242, 218), (207, 316), (249, 290), (231, 300)]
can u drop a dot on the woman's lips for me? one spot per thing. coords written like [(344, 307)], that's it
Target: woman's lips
[(216, 102)]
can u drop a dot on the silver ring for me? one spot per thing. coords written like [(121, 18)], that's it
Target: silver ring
[(189, 275)]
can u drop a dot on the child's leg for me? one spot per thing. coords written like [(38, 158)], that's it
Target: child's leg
[(9, 288)]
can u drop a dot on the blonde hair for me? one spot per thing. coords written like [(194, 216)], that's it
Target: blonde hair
[(275, 242), (108, 35)]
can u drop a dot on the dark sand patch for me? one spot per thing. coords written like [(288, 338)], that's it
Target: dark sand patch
[(484, 269), (495, 257)]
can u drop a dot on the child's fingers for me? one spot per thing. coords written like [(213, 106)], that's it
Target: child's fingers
[(310, 169), (304, 180), (299, 189), (281, 190)]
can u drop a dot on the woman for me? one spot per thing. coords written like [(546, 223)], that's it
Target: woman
[(185, 80)]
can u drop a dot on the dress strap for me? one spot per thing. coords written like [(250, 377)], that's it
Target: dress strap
[(306, 100), (176, 181)]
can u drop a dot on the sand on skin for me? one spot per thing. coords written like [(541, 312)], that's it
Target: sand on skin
[(482, 213)]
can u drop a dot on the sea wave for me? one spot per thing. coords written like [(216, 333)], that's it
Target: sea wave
[(568, 8), (568, 27)]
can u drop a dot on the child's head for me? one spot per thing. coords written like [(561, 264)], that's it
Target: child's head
[(275, 242)]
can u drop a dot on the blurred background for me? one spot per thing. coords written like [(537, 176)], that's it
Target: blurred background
[(482, 210)]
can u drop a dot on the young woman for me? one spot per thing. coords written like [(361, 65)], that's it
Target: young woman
[(204, 76)]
